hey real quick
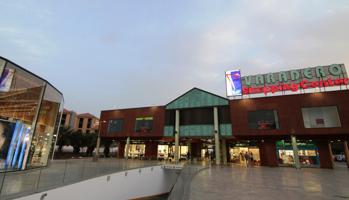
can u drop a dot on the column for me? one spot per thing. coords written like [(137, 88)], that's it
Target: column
[(176, 155), (267, 152), (325, 153), (346, 152), (295, 152), (189, 150), (121, 149), (224, 151), (151, 150), (127, 149), (216, 136)]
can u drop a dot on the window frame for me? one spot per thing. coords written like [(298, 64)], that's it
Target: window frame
[(122, 125), (338, 114), (276, 119)]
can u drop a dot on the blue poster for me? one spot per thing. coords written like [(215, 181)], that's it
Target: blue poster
[(233, 83)]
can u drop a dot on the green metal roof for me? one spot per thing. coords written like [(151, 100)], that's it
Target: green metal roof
[(195, 98)]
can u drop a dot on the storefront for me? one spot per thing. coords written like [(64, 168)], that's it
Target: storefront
[(283, 118), (307, 152), (30, 112)]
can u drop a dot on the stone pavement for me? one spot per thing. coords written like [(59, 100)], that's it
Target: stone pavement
[(261, 183)]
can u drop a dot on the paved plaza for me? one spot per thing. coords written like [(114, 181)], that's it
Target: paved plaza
[(236, 182)]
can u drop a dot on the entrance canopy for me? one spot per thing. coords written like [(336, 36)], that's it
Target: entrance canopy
[(196, 98)]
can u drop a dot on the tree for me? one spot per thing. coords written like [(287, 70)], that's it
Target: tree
[(76, 140), (90, 140), (63, 137)]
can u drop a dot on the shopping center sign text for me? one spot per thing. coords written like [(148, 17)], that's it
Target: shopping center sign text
[(294, 80)]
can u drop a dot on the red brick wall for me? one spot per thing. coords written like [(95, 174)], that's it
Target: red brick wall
[(289, 113), (129, 116)]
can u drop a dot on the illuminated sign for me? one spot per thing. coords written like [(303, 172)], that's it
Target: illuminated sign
[(295, 80), (233, 83)]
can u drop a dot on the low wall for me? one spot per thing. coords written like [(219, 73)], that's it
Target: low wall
[(132, 184)]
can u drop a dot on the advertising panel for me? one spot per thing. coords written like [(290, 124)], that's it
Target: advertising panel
[(233, 83), (6, 132), (14, 142), (6, 80)]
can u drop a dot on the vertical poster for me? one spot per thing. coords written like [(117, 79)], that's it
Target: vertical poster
[(233, 83), (6, 80)]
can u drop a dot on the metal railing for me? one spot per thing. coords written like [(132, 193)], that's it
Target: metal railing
[(16, 184), (181, 190)]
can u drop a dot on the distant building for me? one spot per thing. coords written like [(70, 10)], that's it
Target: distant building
[(68, 119), (86, 123)]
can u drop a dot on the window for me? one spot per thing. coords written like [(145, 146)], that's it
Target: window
[(321, 117), (196, 116), (144, 124), (115, 125), (81, 122), (263, 119), (89, 123), (64, 117)]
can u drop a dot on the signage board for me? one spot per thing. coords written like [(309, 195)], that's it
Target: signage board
[(233, 83), (291, 81)]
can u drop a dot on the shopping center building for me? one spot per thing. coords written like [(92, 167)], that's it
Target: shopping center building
[(30, 112), (286, 118)]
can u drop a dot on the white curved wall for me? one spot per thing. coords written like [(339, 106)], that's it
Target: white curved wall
[(138, 183)]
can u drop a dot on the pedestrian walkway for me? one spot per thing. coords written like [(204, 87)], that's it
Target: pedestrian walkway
[(262, 183)]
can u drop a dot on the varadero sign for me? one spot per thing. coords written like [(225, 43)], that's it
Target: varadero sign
[(294, 80)]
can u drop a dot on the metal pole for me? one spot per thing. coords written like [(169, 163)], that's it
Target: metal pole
[(295, 152), (216, 136), (176, 155), (224, 151), (127, 147)]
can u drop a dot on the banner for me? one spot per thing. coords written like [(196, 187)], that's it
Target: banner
[(233, 83)]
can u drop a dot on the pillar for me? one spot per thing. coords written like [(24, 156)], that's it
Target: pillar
[(224, 151), (127, 149), (267, 152), (216, 136), (121, 149), (346, 152), (295, 152), (189, 150), (196, 150), (151, 150), (176, 154), (325, 153)]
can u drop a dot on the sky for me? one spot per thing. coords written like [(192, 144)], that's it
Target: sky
[(119, 54)]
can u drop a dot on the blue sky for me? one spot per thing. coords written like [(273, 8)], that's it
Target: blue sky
[(117, 54)]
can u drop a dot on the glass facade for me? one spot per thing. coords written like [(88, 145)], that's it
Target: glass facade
[(30, 112)]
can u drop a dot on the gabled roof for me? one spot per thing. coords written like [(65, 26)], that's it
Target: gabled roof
[(195, 98), (87, 115)]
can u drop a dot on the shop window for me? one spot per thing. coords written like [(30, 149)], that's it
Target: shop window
[(263, 119), (81, 122), (144, 124), (115, 125), (321, 117), (307, 152)]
